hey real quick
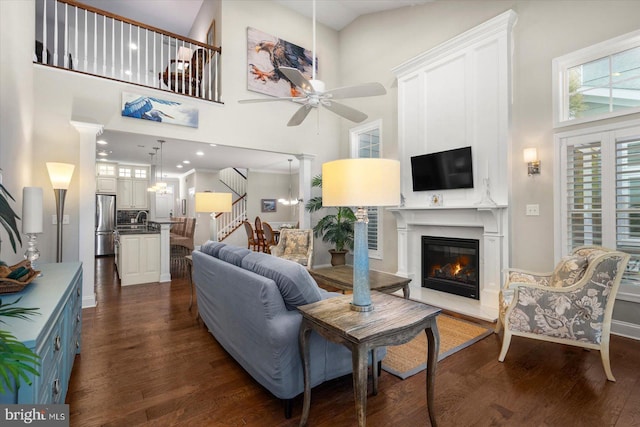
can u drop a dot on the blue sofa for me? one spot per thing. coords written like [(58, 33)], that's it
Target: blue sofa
[(248, 302)]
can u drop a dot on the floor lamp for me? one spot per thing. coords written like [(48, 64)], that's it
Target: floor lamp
[(60, 176), (212, 203), (361, 183)]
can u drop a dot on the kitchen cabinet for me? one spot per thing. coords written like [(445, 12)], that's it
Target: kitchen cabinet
[(138, 258), (106, 178), (53, 334), (106, 185), (133, 182), (132, 194)]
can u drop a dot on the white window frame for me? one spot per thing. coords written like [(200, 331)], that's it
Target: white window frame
[(561, 64), (607, 135), (354, 135)]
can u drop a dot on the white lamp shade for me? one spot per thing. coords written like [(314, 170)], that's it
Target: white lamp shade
[(184, 53), (213, 202), (530, 155), (32, 212), (60, 174), (361, 182)]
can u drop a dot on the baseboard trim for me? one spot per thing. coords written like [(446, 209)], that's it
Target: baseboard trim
[(625, 329)]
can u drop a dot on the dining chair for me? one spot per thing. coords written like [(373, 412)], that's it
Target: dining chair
[(252, 243), (269, 237), (259, 234)]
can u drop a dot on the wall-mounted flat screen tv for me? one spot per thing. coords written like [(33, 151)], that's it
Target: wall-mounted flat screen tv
[(444, 170)]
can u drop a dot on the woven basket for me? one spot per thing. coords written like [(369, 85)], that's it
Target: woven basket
[(11, 285)]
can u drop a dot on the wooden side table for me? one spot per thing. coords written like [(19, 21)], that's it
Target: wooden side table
[(393, 321)]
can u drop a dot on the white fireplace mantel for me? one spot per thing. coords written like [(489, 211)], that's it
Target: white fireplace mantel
[(487, 223)]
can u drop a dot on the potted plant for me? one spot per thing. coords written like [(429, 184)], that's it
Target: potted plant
[(16, 359), (335, 228)]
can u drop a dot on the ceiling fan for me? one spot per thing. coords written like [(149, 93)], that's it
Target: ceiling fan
[(314, 94)]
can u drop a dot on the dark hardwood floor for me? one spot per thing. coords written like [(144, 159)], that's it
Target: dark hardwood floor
[(147, 360)]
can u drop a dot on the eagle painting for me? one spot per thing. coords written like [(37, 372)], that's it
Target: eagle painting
[(265, 55)]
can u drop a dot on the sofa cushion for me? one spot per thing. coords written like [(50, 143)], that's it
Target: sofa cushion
[(212, 248), (296, 285), (570, 270), (233, 254)]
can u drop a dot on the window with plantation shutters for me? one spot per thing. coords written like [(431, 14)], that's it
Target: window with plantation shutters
[(628, 197), (600, 190), (366, 143), (584, 194)]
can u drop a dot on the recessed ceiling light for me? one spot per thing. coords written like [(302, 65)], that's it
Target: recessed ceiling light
[(101, 142), (186, 162), (102, 153), (212, 145), (179, 166), (199, 153)]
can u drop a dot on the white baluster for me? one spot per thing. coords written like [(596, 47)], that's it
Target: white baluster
[(121, 50), (44, 32), (95, 43), (86, 43), (104, 45), (113, 47), (55, 33), (66, 36)]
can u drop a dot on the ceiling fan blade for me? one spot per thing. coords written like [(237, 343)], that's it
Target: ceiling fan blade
[(344, 111), (300, 115), (288, 98), (357, 91), (297, 78)]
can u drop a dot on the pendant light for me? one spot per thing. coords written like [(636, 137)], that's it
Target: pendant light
[(290, 201), (161, 185), (152, 188)]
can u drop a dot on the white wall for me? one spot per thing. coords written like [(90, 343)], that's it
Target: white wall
[(16, 110)]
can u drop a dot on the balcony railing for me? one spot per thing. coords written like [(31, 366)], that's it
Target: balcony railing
[(84, 39)]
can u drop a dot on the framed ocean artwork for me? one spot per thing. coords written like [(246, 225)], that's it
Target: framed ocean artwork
[(158, 110)]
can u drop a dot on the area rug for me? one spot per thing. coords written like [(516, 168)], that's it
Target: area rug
[(455, 334)]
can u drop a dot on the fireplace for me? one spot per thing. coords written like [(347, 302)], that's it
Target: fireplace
[(451, 265)]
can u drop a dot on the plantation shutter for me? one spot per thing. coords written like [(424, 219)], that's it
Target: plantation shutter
[(628, 202), (584, 194), (369, 147)]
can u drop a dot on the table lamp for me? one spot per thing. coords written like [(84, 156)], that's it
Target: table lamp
[(32, 221), (361, 183), (60, 176), (211, 203)]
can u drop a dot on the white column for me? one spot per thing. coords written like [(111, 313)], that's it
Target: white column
[(304, 184), (87, 207), (165, 250)]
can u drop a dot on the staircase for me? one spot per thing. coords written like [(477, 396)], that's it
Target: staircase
[(227, 222)]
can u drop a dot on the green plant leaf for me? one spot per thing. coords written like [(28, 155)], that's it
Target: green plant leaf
[(8, 217)]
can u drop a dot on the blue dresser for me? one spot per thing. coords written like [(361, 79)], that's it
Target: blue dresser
[(54, 333)]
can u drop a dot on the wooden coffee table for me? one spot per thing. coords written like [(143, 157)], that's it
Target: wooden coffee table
[(393, 321), (341, 277)]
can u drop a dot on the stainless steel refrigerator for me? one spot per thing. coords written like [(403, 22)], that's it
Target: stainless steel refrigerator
[(105, 224)]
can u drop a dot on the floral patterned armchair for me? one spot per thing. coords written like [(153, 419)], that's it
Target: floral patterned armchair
[(295, 245), (571, 305)]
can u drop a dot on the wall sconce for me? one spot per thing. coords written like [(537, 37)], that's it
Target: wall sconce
[(60, 176), (531, 158), (361, 183), (211, 203)]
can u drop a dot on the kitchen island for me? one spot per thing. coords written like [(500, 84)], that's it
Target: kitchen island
[(138, 254)]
